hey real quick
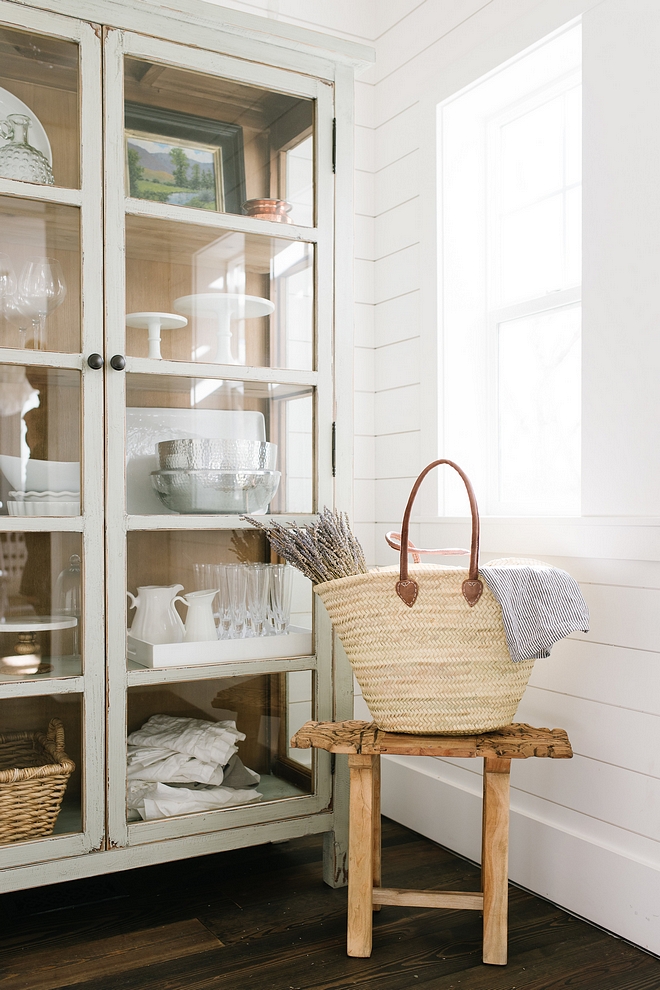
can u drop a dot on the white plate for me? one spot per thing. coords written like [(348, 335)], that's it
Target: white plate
[(37, 136), (43, 508)]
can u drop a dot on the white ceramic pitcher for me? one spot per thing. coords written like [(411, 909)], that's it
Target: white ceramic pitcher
[(156, 619), (200, 624)]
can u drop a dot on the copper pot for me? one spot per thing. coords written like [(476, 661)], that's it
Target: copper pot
[(268, 209)]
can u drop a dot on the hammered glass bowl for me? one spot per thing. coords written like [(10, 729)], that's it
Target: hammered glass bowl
[(210, 491), (217, 455)]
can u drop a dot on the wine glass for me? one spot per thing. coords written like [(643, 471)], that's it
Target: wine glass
[(41, 289), (8, 306)]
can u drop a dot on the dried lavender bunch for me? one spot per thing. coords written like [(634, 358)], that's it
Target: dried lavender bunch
[(323, 550)]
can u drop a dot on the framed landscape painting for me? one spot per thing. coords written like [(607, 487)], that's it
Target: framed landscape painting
[(184, 160)]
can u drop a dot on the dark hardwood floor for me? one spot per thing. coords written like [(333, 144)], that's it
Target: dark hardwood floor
[(262, 919)]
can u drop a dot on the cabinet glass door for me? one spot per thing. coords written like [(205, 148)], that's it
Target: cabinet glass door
[(51, 439), (220, 319)]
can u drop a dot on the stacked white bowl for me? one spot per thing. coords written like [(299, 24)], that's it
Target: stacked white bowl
[(41, 488)]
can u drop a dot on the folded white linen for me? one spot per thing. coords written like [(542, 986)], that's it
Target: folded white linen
[(150, 763), (157, 800), (208, 742)]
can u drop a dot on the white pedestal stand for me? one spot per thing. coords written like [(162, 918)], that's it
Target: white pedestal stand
[(27, 658), (154, 323), (225, 307)]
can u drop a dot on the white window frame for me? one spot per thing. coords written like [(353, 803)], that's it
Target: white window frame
[(526, 31)]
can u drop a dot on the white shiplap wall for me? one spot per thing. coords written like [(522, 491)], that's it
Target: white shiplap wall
[(586, 834)]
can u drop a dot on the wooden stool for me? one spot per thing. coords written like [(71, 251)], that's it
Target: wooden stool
[(364, 743)]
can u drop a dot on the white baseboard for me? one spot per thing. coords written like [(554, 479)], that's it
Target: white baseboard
[(589, 879)]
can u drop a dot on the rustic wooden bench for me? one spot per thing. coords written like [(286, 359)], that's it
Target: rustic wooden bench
[(364, 743)]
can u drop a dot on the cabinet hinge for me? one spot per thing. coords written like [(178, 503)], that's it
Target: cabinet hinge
[(334, 144), (333, 761), (334, 450)]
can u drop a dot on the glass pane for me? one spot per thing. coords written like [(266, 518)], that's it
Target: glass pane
[(532, 250), (40, 605), (540, 410), (235, 447), (241, 759), (39, 275), (39, 81), (196, 294), (532, 155), (55, 808), (39, 441), (214, 144), (300, 709), (209, 597), (299, 182)]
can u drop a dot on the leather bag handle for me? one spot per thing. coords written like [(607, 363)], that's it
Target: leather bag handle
[(407, 588)]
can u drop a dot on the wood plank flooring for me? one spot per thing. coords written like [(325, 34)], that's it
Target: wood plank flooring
[(262, 919)]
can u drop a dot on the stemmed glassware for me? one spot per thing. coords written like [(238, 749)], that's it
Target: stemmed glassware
[(237, 589), (257, 597), (8, 306), (252, 599), (41, 289), (280, 597)]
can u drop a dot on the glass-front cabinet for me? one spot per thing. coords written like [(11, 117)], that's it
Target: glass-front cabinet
[(170, 251)]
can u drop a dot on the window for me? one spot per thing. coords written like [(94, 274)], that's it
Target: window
[(510, 272)]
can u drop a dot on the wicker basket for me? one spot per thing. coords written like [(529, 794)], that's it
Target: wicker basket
[(429, 651), (34, 772)]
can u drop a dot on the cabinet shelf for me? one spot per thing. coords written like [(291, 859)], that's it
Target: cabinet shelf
[(288, 382), (38, 685), (219, 221), (137, 675), (48, 194), (209, 522)]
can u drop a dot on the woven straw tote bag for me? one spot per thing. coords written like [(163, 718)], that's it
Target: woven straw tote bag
[(429, 650)]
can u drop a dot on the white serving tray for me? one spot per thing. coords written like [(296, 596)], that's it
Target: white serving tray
[(295, 643)]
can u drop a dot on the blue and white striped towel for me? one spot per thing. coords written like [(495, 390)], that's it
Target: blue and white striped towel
[(540, 604)]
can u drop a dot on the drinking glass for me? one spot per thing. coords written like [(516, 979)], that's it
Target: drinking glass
[(280, 597), (8, 297), (203, 576), (7, 277), (258, 587), (41, 289), (68, 596), (222, 601), (236, 588)]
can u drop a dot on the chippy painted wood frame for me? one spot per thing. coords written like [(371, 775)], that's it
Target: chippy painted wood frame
[(91, 684), (118, 44)]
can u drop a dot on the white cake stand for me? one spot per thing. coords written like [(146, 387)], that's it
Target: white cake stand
[(27, 658), (225, 307), (154, 323)]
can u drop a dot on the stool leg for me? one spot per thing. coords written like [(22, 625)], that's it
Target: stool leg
[(495, 859), (360, 855), (376, 826)]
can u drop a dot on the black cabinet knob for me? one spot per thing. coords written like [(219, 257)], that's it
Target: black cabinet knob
[(95, 361), (118, 362)]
